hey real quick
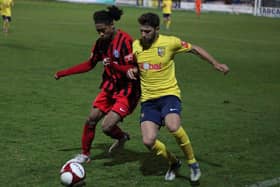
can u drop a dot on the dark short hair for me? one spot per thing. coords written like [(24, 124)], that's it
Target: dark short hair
[(150, 19), (108, 16)]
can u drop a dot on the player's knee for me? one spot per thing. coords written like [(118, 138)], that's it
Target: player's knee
[(106, 128), (148, 142), (92, 121), (173, 129)]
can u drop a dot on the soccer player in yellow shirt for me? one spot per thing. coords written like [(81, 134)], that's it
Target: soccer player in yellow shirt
[(160, 94), (166, 13), (6, 12)]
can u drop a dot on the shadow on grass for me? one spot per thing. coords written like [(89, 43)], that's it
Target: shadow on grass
[(209, 162), (150, 165), (16, 46), (70, 149)]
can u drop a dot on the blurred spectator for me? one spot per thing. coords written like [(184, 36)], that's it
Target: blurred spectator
[(166, 13), (236, 1), (228, 2), (6, 12), (177, 3)]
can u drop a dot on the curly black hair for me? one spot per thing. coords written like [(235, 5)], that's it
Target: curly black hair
[(108, 16)]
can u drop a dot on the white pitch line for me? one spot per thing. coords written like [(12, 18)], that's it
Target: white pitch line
[(266, 183)]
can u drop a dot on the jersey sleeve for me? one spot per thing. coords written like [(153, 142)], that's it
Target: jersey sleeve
[(82, 67), (180, 46)]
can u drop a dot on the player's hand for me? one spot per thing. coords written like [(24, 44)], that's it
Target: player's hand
[(222, 68), (56, 76), (131, 73)]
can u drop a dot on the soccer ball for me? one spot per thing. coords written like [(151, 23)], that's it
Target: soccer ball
[(72, 174)]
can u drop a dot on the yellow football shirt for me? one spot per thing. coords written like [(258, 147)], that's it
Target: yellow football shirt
[(6, 7), (167, 7), (157, 68), (1, 4)]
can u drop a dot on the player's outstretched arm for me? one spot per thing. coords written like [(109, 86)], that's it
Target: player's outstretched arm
[(80, 68), (206, 56)]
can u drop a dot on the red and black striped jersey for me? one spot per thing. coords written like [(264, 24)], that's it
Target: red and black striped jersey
[(117, 57)]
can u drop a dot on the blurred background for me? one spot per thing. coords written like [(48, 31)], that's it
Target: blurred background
[(269, 8)]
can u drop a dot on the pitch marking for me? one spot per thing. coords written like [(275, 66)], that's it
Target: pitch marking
[(266, 183)]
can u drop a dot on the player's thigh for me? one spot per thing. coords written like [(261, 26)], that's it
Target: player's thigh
[(124, 105), (171, 111), (149, 131), (103, 102)]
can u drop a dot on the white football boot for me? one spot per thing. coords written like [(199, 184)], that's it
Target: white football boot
[(172, 171), (80, 158), (195, 172)]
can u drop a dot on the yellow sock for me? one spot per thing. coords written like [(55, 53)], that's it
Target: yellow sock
[(168, 23), (160, 150), (165, 24), (185, 144)]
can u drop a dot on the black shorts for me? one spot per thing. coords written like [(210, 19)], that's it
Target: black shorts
[(155, 110), (9, 18), (166, 15)]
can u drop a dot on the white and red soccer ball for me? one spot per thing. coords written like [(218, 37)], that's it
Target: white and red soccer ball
[(72, 174)]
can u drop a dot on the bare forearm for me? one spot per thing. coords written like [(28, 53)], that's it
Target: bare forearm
[(202, 53)]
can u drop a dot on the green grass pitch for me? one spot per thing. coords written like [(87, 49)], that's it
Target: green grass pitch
[(233, 120)]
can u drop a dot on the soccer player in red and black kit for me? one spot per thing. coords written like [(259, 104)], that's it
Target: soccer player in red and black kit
[(119, 95)]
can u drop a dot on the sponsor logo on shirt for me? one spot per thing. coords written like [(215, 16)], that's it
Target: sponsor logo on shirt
[(148, 66)]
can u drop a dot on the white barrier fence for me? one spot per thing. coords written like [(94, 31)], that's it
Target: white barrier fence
[(90, 1), (256, 9), (260, 10)]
